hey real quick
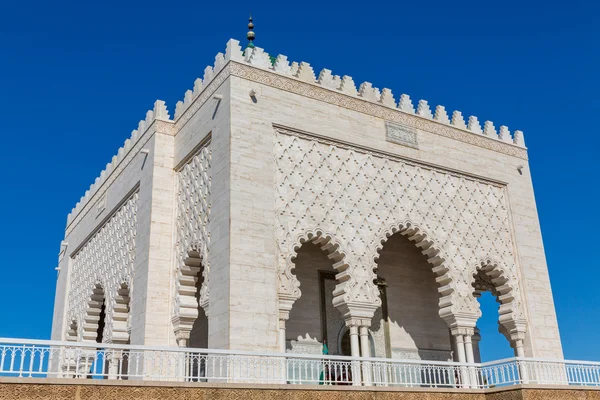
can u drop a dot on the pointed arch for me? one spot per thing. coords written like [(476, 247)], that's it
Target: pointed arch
[(289, 285), (427, 245), (493, 276), (307, 316)]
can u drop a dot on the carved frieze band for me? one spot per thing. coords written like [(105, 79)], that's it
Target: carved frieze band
[(205, 95), (307, 136), (339, 99)]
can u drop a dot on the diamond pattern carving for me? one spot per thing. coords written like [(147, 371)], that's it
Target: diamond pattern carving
[(105, 261), (359, 198), (192, 238)]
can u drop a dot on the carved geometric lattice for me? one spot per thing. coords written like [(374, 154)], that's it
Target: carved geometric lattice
[(360, 198), (192, 237), (102, 265)]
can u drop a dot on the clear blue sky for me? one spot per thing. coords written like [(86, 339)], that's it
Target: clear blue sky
[(75, 78)]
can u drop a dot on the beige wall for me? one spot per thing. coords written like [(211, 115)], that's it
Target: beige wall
[(276, 106)]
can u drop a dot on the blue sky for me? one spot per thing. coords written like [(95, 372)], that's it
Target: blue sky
[(75, 78)]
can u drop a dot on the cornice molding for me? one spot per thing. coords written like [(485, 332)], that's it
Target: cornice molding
[(276, 80)]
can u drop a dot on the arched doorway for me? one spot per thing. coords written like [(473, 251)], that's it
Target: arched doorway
[(408, 325), (313, 320)]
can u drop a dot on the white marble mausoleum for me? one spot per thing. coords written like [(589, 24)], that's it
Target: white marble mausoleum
[(279, 208)]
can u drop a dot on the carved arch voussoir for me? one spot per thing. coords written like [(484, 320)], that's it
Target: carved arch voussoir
[(428, 247), (89, 328), (186, 300), (197, 254), (329, 244), (495, 276), (120, 321)]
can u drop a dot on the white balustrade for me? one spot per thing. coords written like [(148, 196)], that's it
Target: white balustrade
[(42, 358)]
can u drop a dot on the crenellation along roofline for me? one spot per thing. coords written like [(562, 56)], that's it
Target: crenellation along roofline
[(254, 64)]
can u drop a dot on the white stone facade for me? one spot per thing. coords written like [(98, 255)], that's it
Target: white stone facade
[(223, 225)]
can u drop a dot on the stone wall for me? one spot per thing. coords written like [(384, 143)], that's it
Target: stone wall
[(13, 389), (352, 124), (261, 121)]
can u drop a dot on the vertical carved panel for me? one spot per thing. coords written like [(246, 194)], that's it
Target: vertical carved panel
[(192, 237), (106, 259)]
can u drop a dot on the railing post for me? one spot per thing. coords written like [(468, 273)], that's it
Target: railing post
[(182, 362), (113, 363)]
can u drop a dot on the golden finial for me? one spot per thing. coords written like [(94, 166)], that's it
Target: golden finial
[(250, 35)]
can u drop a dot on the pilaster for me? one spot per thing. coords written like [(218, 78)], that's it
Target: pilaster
[(151, 300)]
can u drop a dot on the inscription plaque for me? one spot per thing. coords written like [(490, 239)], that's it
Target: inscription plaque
[(401, 134)]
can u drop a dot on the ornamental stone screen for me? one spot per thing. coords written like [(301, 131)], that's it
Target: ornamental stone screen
[(278, 211)]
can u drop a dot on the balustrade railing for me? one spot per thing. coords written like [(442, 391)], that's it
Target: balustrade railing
[(83, 360)]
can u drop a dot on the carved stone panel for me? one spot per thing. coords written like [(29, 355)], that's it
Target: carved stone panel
[(191, 230), (401, 134), (106, 259), (358, 198)]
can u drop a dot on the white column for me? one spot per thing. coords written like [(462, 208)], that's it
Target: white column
[(460, 348), (282, 336), (365, 352), (460, 352), (355, 353), (520, 352), (283, 361), (471, 360), (354, 343), (469, 349)]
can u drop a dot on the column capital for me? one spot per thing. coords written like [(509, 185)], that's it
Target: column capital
[(514, 336), (462, 331), (282, 323), (359, 311), (284, 315), (463, 322), (183, 327), (358, 322), (286, 302)]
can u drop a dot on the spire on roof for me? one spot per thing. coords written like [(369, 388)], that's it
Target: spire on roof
[(250, 35)]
